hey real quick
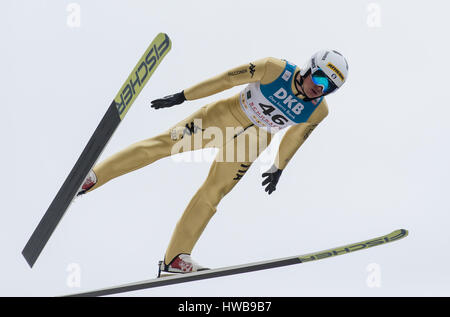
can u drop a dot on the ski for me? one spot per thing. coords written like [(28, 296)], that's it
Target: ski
[(245, 268), (116, 112)]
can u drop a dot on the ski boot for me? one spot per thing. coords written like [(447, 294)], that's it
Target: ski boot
[(182, 263), (89, 181)]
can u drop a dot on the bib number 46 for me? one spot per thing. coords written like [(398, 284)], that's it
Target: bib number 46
[(278, 118)]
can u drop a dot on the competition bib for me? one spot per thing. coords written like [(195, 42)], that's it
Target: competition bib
[(275, 106)]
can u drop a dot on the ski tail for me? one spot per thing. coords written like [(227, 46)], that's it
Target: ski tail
[(116, 112)]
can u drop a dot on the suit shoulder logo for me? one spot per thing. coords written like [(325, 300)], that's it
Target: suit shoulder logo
[(252, 69)]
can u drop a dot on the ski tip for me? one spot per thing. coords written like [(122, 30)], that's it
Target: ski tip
[(163, 34), (400, 233), (164, 37)]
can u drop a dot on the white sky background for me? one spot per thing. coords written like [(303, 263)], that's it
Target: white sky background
[(378, 162)]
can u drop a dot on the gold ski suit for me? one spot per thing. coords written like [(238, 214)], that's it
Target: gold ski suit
[(237, 114)]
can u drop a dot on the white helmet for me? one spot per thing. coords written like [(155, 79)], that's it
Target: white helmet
[(328, 68)]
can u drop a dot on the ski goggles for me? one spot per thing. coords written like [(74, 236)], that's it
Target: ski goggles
[(321, 79)]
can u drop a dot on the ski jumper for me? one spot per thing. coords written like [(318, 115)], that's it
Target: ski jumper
[(268, 103)]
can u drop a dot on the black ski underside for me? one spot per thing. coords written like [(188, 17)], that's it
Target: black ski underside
[(196, 276), (65, 195)]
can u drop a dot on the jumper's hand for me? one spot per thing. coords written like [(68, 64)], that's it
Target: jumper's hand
[(272, 177), (169, 101)]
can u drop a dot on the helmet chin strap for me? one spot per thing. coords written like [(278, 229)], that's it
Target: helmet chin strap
[(300, 84)]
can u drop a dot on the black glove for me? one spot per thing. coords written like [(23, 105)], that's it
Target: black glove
[(273, 175), (169, 101)]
